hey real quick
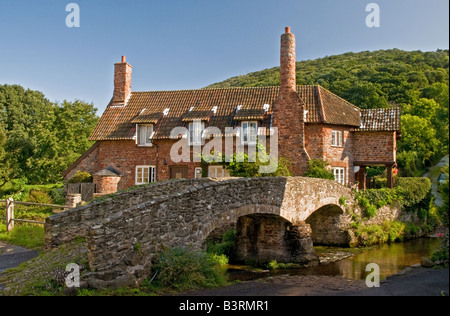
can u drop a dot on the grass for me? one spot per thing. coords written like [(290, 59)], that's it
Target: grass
[(26, 235)]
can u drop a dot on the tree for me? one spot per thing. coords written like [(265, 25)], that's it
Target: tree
[(418, 135), (38, 138)]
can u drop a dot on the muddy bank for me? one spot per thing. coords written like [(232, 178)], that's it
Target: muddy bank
[(413, 281)]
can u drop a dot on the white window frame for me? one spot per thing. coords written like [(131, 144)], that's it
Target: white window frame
[(146, 129), (339, 175), (249, 134), (140, 174), (198, 173), (219, 171), (336, 139), (195, 134)]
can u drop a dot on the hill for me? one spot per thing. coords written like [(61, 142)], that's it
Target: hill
[(416, 81)]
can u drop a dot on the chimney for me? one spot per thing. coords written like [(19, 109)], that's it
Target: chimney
[(122, 82), (288, 110), (287, 62)]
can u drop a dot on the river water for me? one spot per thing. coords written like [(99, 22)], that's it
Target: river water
[(351, 263)]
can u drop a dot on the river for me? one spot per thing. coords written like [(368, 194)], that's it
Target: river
[(351, 263)]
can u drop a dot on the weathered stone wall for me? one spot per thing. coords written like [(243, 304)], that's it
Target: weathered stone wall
[(329, 226), (64, 227)]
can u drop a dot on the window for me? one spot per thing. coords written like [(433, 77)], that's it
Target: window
[(339, 175), (336, 138), (145, 134), (249, 132), (218, 172), (195, 132), (198, 173), (145, 174)]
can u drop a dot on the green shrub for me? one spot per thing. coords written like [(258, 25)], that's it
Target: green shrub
[(37, 196), (371, 211), (409, 193), (225, 247), (185, 269), (318, 169), (81, 177), (389, 231)]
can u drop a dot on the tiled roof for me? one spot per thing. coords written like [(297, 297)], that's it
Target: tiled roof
[(169, 109), (380, 120), (193, 115)]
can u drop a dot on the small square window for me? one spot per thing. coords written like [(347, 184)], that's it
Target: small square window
[(145, 174)]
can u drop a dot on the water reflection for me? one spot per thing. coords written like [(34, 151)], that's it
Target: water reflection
[(391, 258)]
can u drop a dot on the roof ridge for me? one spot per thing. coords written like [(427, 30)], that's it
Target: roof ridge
[(224, 88)]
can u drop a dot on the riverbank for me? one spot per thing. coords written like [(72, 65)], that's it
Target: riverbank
[(412, 281)]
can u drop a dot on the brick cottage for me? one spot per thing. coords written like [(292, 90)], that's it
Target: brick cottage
[(133, 137)]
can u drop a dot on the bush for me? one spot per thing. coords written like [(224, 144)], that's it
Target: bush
[(81, 177), (410, 193), (37, 196), (225, 247), (318, 169), (378, 234), (184, 269)]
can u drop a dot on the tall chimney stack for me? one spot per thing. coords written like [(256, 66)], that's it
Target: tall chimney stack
[(288, 110), (287, 62), (122, 82)]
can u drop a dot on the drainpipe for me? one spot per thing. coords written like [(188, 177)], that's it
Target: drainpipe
[(156, 164)]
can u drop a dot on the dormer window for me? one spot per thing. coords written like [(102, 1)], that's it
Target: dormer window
[(249, 132), (196, 129), (145, 134)]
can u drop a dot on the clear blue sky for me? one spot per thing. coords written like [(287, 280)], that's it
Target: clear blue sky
[(188, 44)]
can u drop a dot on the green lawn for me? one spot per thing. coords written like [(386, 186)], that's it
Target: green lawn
[(28, 236)]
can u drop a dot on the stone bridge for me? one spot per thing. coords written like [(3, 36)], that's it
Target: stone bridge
[(276, 218)]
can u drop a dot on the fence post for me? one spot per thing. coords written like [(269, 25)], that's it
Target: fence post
[(9, 214)]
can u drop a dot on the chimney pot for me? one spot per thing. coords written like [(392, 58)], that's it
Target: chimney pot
[(287, 29), (124, 59)]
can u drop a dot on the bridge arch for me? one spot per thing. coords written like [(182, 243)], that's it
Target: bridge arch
[(329, 225)]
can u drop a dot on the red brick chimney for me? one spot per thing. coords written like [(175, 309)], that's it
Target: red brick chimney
[(288, 110), (287, 62), (122, 82)]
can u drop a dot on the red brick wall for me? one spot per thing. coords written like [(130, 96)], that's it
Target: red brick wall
[(318, 146), (375, 146), (106, 185), (125, 155)]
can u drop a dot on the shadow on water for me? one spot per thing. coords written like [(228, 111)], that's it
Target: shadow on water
[(351, 263)]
